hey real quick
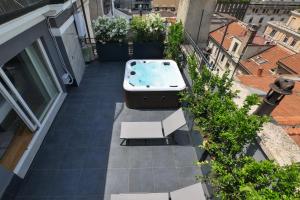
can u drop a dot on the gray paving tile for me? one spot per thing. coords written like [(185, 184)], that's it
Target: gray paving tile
[(140, 157), (165, 179), (119, 157), (185, 156), (141, 180), (117, 181), (187, 175), (163, 156)]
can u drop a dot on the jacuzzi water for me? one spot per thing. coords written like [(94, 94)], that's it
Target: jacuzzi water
[(153, 75)]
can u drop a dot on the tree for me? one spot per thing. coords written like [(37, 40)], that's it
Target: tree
[(227, 129)]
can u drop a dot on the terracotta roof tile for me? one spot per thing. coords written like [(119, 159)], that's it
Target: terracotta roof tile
[(292, 62), (237, 30), (294, 133), (288, 111), (266, 60)]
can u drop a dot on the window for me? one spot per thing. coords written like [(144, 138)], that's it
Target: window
[(282, 19), (223, 57), (250, 20), (272, 19), (259, 60), (261, 20), (285, 40), (293, 43), (235, 46), (273, 32), (173, 9), (264, 11)]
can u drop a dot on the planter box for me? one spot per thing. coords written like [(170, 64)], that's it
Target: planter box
[(112, 51), (148, 50)]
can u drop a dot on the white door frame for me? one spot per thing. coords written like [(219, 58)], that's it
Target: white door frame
[(39, 128)]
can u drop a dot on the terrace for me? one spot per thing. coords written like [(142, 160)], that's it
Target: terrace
[(81, 156)]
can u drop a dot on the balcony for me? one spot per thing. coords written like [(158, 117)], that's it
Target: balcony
[(81, 156)]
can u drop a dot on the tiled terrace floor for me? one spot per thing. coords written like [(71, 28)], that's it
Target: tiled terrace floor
[(81, 156)]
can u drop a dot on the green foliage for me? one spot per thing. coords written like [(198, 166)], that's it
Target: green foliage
[(227, 129), (148, 28), (110, 29), (173, 42)]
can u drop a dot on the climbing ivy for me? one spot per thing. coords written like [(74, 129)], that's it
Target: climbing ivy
[(227, 129)]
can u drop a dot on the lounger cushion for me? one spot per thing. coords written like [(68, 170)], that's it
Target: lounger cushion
[(173, 122), (146, 196), (193, 192), (141, 130)]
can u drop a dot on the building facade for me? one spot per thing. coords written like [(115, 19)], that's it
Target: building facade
[(286, 34), (165, 5), (40, 58), (232, 43), (260, 12)]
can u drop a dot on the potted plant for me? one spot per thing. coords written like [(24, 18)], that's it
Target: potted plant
[(110, 34), (148, 36)]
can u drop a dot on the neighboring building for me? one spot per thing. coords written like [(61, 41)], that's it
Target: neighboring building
[(133, 4), (289, 65), (40, 56), (220, 19), (165, 5), (240, 42), (266, 62), (260, 12), (286, 34)]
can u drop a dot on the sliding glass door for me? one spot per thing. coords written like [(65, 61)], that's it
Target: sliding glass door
[(29, 90)]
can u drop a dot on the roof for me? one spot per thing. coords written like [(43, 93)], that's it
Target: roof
[(235, 30), (292, 62), (266, 60), (294, 133), (287, 113)]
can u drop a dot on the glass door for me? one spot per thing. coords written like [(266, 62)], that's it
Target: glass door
[(16, 130), (29, 92), (29, 77)]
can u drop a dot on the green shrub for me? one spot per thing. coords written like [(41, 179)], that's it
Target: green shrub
[(110, 29)]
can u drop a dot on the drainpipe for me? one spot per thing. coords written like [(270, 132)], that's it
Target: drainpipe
[(85, 20), (278, 90)]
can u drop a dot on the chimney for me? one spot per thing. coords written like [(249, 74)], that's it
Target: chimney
[(251, 33), (260, 72), (278, 90)]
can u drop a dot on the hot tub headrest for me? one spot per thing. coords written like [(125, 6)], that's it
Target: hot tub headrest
[(133, 63), (166, 63)]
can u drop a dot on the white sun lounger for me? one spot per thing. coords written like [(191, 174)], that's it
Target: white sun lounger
[(153, 130), (193, 192)]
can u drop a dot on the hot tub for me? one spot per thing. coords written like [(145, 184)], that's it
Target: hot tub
[(152, 84)]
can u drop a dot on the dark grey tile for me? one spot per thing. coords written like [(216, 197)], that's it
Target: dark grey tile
[(66, 182), (92, 182), (165, 179), (81, 138), (38, 183), (163, 156), (48, 158), (90, 197), (141, 180), (117, 181), (140, 157), (74, 158), (32, 198), (185, 156), (96, 157)]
